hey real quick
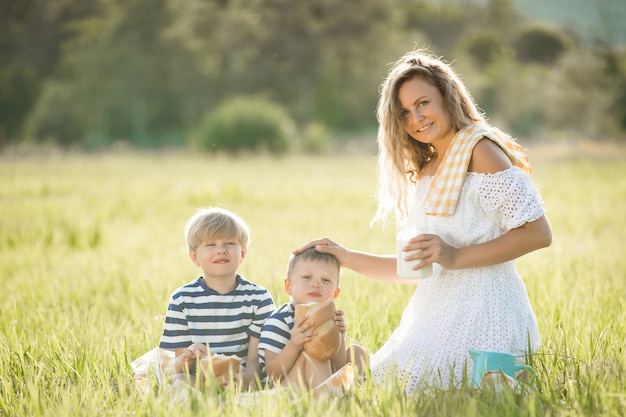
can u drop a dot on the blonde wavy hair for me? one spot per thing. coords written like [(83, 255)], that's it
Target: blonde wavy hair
[(400, 157)]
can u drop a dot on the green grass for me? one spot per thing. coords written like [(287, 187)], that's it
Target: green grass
[(91, 247)]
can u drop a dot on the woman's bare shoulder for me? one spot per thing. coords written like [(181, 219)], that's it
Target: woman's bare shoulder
[(488, 158)]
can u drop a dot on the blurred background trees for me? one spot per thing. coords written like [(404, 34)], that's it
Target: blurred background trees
[(151, 73)]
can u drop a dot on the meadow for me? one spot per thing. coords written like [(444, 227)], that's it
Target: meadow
[(91, 247)]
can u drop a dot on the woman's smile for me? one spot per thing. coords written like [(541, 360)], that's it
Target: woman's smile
[(422, 112)]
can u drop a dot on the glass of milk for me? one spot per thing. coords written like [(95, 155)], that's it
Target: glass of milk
[(405, 267)]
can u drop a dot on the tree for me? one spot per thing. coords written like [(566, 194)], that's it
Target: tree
[(442, 23), (501, 17), (31, 35), (306, 55), (484, 46), (615, 71), (542, 44), (245, 123), (121, 79)]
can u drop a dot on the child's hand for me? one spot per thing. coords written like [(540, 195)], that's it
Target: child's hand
[(198, 350), (300, 333), (339, 321), (187, 358)]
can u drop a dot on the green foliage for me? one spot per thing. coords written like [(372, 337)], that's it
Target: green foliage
[(443, 22), (501, 16), (119, 81), (19, 86), (145, 72), (484, 46), (589, 109), (615, 69), (57, 117), (31, 34), (307, 55), (245, 124), (542, 44), (568, 99), (88, 261), (316, 138)]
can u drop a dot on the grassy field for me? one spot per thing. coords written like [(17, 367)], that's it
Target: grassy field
[(91, 247)]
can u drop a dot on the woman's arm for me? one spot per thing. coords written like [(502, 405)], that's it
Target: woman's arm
[(487, 157), (378, 267), (511, 245)]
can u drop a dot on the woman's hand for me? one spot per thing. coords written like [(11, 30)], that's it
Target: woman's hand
[(511, 245), (432, 250), (378, 267), (325, 245)]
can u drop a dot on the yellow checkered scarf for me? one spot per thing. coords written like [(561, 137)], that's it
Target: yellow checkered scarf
[(444, 191)]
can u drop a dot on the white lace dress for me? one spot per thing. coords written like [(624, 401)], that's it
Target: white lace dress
[(483, 308)]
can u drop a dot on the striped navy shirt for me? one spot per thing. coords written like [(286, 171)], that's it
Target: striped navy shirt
[(197, 313), (276, 332)]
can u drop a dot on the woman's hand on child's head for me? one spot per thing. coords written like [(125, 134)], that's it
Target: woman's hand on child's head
[(339, 321), (300, 333), (325, 245)]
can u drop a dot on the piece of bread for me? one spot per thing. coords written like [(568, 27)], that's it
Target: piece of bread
[(327, 341), (219, 365)]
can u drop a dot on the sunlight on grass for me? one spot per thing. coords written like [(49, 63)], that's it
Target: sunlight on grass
[(92, 246)]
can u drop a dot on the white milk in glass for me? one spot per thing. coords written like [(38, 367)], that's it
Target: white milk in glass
[(405, 267)]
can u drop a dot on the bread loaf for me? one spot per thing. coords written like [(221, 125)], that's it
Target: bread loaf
[(327, 341), (220, 365)]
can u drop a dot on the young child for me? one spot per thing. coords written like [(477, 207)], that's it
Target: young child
[(311, 277), (220, 309)]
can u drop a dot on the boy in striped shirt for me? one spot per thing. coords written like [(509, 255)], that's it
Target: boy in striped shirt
[(220, 312), (311, 277)]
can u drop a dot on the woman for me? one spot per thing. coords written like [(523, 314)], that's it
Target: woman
[(444, 169)]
